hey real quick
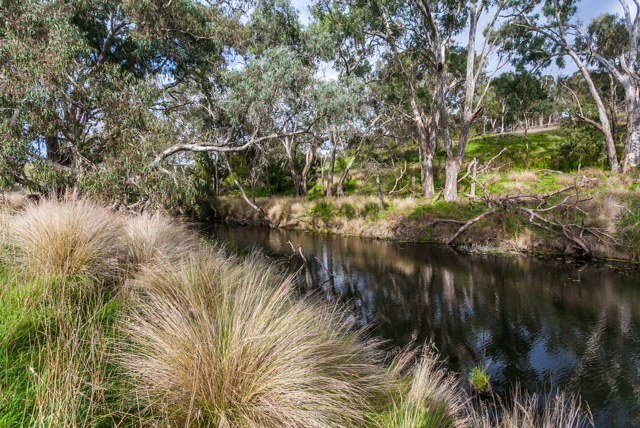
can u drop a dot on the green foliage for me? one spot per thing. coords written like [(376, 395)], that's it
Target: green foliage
[(479, 379), (322, 211), (522, 92), (203, 177), (542, 147), (347, 211), (450, 210), (581, 146)]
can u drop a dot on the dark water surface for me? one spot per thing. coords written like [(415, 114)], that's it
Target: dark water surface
[(543, 323)]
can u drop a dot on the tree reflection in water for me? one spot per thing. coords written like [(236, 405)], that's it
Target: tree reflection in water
[(542, 323)]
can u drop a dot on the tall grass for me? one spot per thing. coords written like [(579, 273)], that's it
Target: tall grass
[(149, 237), (73, 369), (428, 396), (69, 237), (532, 411), (223, 342), (56, 365)]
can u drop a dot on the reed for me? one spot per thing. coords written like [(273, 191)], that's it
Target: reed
[(533, 411)]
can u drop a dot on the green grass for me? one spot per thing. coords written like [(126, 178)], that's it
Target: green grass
[(479, 379), (53, 353), (541, 149), (447, 210)]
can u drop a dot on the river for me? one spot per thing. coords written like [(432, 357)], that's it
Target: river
[(543, 323)]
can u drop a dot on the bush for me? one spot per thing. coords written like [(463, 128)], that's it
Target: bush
[(69, 237), (582, 146), (225, 343)]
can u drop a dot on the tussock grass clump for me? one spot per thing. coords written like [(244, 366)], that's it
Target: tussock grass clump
[(529, 411), (428, 397), (13, 201), (223, 342), (68, 238), (152, 236), (5, 225)]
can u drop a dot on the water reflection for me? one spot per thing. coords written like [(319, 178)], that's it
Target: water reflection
[(543, 323)]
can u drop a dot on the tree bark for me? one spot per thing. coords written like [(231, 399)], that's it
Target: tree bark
[(332, 166), (632, 143), (380, 192), (452, 169), (343, 176), (304, 176), (426, 171), (526, 140), (252, 204)]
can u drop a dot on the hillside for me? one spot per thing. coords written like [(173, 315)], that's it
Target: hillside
[(587, 204)]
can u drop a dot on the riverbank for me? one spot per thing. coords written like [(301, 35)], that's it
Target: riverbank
[(600, 216), (131, 320)]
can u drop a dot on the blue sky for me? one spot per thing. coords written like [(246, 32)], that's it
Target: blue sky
[(587, 10)]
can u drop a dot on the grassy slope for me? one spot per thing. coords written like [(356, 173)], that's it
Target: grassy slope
[(614, 204)]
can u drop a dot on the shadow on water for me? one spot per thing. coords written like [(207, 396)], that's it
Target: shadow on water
[(543, 323)]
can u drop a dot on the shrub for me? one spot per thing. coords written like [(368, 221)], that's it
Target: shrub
[(322, 211), (152, 236), (222, 342), (67, 238)]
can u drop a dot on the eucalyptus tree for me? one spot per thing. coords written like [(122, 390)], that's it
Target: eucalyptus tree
[(418, 38), (524, 95), (614, 42), (82, 84), (443, 21), (343, 119), (387, 30), (548, 30)]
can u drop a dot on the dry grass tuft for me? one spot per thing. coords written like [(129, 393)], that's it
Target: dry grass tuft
[(5, 224), (406, 205), (430, 396), (150, 237), (526, 177), (13, 201), (435, 389), (528, 411), (222, 342), (68, 237)]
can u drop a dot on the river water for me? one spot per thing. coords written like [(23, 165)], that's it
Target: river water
[(546, 324)]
